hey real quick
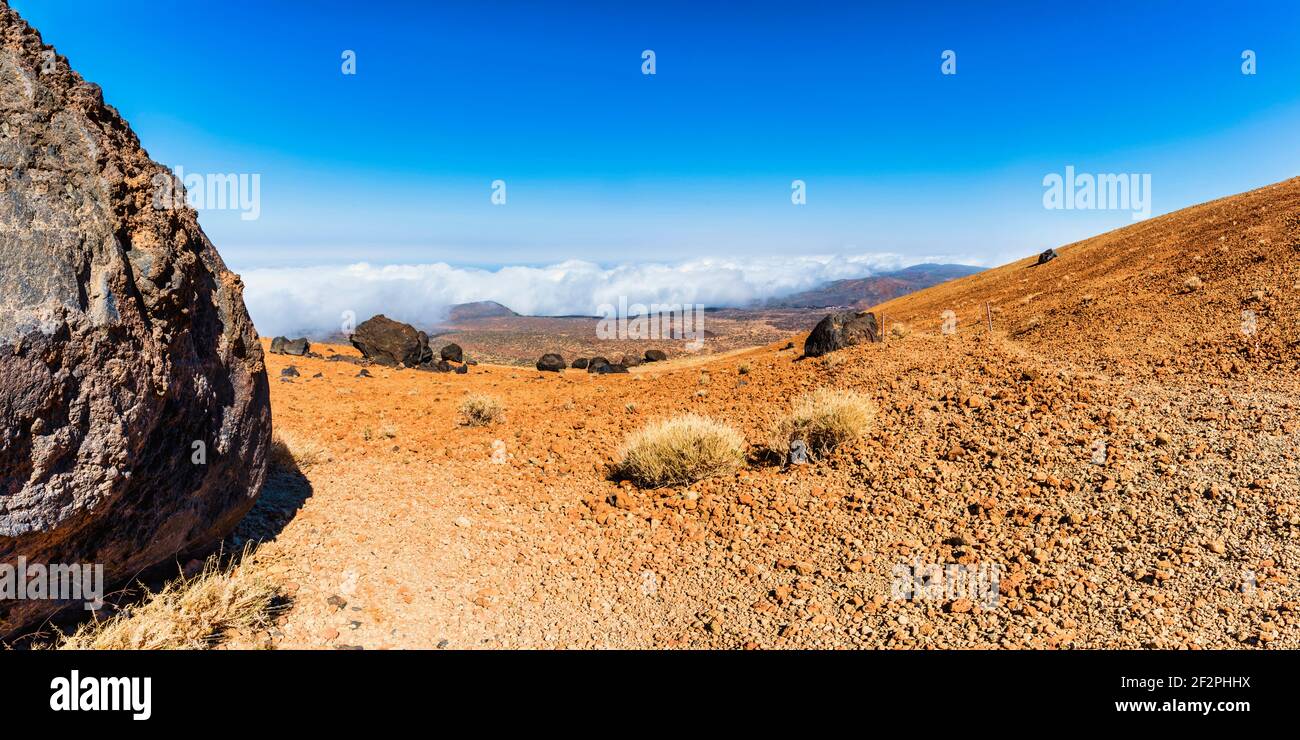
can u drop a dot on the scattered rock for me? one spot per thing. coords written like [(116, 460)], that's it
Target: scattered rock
[(452, 353), (386, 342), (655, 355), (290, 372), (551, 362), (1047, 256), (296, 347), (596, 363), (840, 330), (580, 363)]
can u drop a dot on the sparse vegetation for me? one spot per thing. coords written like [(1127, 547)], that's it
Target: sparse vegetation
[(480, 410), (680, 450), (898, 331), (831, 361), (189, 613), (1192, 284), (825, 419), (743, 369)]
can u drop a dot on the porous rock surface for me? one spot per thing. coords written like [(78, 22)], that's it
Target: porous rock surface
[(134, 411)]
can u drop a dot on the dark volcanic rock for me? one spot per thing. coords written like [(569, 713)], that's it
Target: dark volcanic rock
[(452, 353), (631, 360), (579, 363), (386, 342), (1047, 256), (595, 364), (655, 355), (290, 372), (608, 369), (551, 362), (462, 369), (134, 412), (840, 330), (286, 346)]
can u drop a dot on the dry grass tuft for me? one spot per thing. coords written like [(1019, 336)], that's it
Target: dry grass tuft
[(480, 410), (680, 450), (288, 451), (191, 613), (1192, 284), (898, 331), (824, 420)]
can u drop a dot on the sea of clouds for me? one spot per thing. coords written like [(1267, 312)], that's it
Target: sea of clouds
[(312, 301)]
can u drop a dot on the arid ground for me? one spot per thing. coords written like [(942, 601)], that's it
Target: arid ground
[(1122, 444)]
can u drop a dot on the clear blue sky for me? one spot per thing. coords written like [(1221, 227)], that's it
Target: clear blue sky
[(606, 164)]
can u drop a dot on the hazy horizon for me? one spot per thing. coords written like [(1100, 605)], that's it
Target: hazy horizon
[(316, 300)]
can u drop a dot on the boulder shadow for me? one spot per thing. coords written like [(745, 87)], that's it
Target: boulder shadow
[(285, 493)]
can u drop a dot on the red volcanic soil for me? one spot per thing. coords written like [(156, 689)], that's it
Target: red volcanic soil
[(1120, 448)]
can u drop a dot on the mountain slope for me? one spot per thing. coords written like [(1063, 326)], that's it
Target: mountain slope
[(1121, 301)]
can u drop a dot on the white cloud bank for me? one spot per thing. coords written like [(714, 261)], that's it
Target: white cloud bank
[(312, 301)]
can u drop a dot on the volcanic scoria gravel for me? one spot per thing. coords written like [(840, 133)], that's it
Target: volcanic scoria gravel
[(1122, 452), (134, 411)]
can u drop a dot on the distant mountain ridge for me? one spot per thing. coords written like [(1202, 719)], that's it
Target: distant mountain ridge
[(477, 310), (869, 291)]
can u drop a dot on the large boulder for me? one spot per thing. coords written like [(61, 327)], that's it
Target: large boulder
[(596, 363), (1047, 256), (295, 347), (840, 330), (551, 362), (579, 363), (631, 360), (655, 355), (386, 342), (134, 413), (452, 353)]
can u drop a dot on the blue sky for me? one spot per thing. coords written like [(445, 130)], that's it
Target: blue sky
[(603, 163)]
